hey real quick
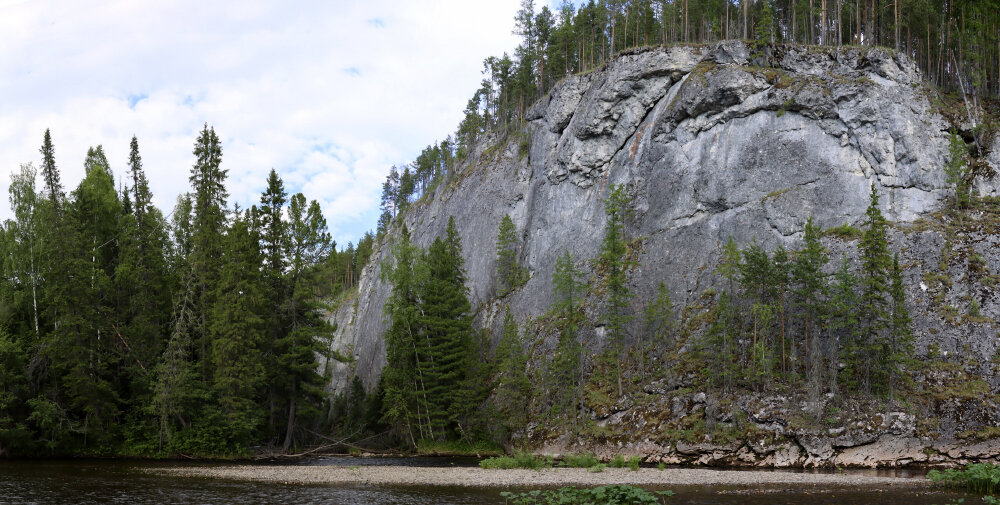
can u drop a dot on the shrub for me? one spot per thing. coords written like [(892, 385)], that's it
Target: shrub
[(579, 461), (603, 495), (519, 460), (981, 478)]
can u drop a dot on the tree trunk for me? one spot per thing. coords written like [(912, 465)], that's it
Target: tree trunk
[(822, 21), (746, 7), (291, 419), (812, 24)]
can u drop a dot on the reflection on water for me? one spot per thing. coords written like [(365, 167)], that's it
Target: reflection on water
[(94, 482)]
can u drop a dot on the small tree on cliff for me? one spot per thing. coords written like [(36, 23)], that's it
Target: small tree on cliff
[(509, 273), (614, 263)]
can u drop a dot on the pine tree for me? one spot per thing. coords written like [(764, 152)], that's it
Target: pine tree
[(307, 248)]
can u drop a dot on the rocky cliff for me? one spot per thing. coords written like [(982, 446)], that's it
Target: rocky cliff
[(713, 142)]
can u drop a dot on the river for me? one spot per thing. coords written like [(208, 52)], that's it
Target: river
[(126, 482)]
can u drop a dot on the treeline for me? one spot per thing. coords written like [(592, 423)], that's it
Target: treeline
[(956, 43), (123, 332)]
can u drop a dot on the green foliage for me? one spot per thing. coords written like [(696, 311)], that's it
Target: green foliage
[(519, 460), (958, 173), (983, 478), (122, 334), (510, 274), (843, 232), (579, 461), (876, 265), (435, 383), (602, 495), (564, 371), (614, 263), (512, 389)]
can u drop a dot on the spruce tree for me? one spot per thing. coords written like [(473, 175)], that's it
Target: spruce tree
[(274, 238), (876, 265), (755, 278), (50, 173), (958, 173), (810, 288), (403, 376), (142, 279), (446, 325), (237, 327), (659, 319), (614, 263), (207, 227), (512, 387), (780, 279), (842, 326), (509, 272), (565, 370), (900, 334)]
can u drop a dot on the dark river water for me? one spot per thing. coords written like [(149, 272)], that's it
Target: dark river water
[(99, 482)]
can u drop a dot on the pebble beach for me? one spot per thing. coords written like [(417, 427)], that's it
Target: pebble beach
[(478, 477)]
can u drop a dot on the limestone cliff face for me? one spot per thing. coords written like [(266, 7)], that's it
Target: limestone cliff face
[(710, 143)]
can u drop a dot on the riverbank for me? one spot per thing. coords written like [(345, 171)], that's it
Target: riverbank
[(478, 477)]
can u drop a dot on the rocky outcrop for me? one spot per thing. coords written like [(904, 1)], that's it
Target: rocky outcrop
[(710, 142)]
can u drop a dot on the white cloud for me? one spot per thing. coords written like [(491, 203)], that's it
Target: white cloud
[(330, 94)]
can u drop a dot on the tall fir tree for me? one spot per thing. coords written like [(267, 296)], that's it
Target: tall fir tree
[(565, 370), (614, 262), (207, 228), (876, 265), (511, 386), (810, 289), (238, 327), (900, 343)]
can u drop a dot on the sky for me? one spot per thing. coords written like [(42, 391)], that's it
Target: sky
[(328, 93)]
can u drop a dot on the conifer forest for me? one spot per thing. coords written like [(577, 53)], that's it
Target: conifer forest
[(205, 330)]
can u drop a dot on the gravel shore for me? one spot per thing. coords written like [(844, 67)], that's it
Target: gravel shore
[(477, 477)]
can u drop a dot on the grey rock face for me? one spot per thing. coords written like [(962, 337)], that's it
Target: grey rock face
[(709, 146)]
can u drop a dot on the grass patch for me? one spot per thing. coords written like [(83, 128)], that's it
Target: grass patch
[(843, 232)]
